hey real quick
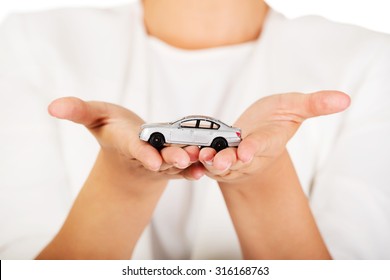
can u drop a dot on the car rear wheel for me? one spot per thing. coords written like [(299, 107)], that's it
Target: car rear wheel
[(219, 144), (157, 140)]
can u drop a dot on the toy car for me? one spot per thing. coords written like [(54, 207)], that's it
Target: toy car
[(192, 130)]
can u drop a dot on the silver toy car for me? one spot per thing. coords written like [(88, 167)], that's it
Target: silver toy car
[(192, 130)]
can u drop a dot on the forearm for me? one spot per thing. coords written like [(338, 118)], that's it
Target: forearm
[(272, 217), (108, 216)]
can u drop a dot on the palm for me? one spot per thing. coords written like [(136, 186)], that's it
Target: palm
[(116, 129), (267, 126)]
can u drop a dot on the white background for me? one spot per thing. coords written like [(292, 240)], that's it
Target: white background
[(372, 14), (279, 270)]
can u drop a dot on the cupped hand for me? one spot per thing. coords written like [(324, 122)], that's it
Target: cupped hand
[(267, 126), (116, 129)]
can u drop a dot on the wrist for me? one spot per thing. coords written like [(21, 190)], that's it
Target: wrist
[(115, 173), (115, 204), (272, 207), (276, 171)]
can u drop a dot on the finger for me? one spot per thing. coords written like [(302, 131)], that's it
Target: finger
[(268, 142), (206, 156), (175, 156), (89, 113), (217, 163), (224, 159), (193, 153), (326, 102), (294, 107), (248, 148), (74, 109), (172, 171), (194, 172), (146, 154), (312, 105)]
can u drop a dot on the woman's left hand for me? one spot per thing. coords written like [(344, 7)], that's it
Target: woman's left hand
[(267, 126)]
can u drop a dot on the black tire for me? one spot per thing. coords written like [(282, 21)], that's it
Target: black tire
[(157, 140), (219, 144)]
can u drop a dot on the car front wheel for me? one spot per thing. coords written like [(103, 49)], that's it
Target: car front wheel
[(219, 144), (157, 140)]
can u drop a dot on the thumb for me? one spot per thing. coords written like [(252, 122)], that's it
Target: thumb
[(268, 139), (315, 104), (91, 114)]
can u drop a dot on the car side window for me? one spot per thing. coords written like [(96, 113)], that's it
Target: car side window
[(205, 124), (188, 124), (215, 126)]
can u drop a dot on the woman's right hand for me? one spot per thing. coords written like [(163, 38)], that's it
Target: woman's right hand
[(116, 129), (128, 178)]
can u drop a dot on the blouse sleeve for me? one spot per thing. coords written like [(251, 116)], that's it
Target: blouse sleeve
[(34, 196), (350, 197)]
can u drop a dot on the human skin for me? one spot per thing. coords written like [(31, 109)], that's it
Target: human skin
[(197, 24), (257, 179), (262, 192), (119, 196)]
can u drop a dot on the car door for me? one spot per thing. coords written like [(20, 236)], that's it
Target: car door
[(204, 133), (185, 132)]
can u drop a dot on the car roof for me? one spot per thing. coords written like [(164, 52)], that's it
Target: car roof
[(201, 117)]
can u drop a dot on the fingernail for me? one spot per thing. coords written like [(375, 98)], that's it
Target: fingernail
[(154, 167), (208, 162), (227, 167), (180, 165), (198, 176), (248, 160)]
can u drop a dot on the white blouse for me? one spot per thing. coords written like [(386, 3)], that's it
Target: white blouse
[(105, 54)]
